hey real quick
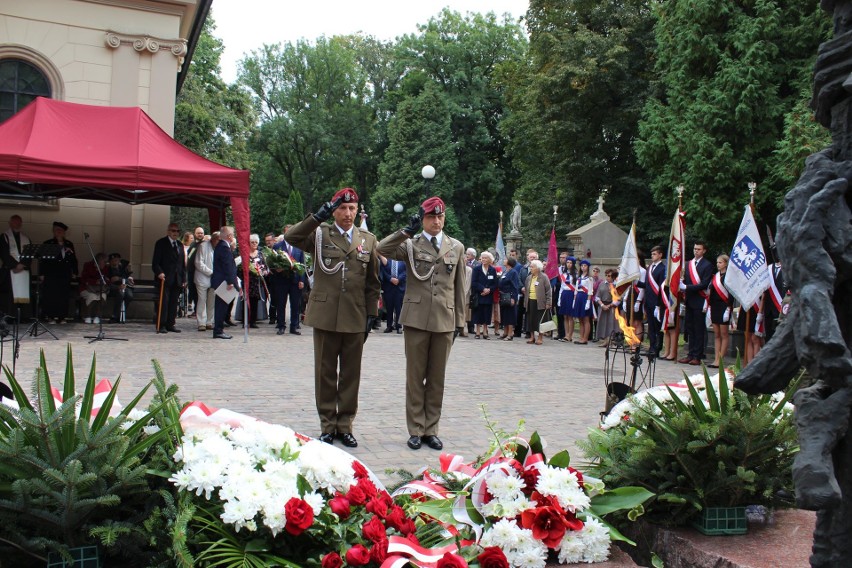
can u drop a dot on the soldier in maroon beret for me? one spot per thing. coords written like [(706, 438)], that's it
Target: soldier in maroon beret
[(432, 314)]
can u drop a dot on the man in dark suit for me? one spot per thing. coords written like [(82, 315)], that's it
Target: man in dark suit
[(169, 267), (224, 270), (342, 307), (655, 278), (393, 290), (699, 272), (288, 286)]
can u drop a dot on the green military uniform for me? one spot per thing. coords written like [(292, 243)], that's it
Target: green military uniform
[(345, 291), (432, 309)]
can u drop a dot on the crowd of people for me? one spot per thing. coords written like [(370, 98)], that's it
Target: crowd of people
[(431, 289), (584, 305)]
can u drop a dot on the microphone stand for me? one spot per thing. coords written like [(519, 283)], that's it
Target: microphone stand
[(101, 336)]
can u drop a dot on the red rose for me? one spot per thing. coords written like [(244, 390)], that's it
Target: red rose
[(358, 555), (547, 524), (378, 506), (368, 487), (407, 527), (396, 518), (449, 560), (339, 505), (332, 560), (374, 530), (299, 515), (491, 557), (359, 469), (356, 495), (379, 551)]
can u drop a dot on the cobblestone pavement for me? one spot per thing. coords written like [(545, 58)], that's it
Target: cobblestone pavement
[(556, 388)]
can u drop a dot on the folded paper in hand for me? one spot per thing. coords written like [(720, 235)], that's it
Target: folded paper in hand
[(227, 296)]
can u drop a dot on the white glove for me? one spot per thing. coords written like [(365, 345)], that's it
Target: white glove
[(726, 317), (759, 318), (637, 306), (588, 305), (682, 287), (657, 313)]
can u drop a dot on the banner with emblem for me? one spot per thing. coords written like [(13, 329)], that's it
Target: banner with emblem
[(748, 272), (674, 266), (628, 270), (499, 245)]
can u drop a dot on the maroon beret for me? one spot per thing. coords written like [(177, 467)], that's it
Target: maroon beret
[(347, 194), (434, 206)]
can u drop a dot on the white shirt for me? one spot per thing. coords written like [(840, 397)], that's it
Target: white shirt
[(439, 237), (347, 234)]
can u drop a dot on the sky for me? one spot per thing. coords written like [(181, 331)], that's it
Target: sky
[(245, 25)]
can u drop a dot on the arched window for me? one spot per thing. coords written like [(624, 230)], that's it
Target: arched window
[(20, 83)]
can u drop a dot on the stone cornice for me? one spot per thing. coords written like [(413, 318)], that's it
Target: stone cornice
[(147, 43)]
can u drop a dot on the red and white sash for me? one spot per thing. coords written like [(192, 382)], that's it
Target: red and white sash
[(719, 286), (693, 274), (774, 293), (566, 282)]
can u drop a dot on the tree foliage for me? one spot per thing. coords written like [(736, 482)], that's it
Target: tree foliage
[(419, 134), (212, 118), (462, 56), (729, 72), (575, 107)]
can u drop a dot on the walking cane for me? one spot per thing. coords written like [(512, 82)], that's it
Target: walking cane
[(160, 308)]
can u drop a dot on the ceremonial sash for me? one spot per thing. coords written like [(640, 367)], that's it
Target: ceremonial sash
[(719, 286), (566, 282), (693, 274), (774, 293)]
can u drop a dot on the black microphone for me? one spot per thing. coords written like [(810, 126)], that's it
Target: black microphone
[(86, 235)]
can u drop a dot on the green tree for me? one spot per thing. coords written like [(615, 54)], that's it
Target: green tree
[(462, 56), (317, 125), (212, 119), (729, 73), (575, 104), (295, 210), (419, 133)]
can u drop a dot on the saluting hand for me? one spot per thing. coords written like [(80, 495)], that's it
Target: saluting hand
[(324, 212)]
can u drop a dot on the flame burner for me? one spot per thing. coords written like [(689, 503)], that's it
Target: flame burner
[(620, 356)]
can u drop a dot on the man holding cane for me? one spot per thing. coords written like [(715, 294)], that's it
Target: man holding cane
[(342, 307)]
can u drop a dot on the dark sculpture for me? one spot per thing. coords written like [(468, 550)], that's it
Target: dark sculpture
[(815, 246)]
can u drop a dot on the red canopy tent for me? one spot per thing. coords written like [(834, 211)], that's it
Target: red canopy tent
[(57, 149)]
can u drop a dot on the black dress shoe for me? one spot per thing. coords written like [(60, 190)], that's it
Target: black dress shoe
[(433, 442), (414, 442), (173, 329), (348, 440), (388, 329), (162, 330), (280, 331), (221, 336), (327, 438), (296, 332), (253, 325), (229, 323)]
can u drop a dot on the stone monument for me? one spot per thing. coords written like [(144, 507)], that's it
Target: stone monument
[(514, 238), (600, 237), (815, 246)]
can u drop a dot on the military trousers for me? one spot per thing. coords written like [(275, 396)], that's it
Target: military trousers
[(337, 392), (426, 356)]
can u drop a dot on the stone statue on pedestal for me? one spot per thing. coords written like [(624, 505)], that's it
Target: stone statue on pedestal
[(815, 246), (515, 219)]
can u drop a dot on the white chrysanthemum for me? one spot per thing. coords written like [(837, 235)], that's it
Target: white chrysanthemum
[(504, 486), (326, 467), (136, 414), (238, 513), (316, 501), (596, 541), (275, 519), (181, 478), (529, 558), (571, 548), (205, 478), (506, 508), (505, 533), (150, 429)]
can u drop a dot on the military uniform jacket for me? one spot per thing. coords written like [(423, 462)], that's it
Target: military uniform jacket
[(434, 294), (346, 276)]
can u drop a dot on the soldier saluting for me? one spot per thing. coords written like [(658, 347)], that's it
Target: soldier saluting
[(343, 305), (432, 314)]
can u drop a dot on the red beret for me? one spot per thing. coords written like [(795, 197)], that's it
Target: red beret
[(433, 206), (347, 194)]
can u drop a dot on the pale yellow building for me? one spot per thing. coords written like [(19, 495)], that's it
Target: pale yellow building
[(98, 52)]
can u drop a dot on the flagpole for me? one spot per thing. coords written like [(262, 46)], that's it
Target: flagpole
[(632, 296), (752, 187), (677, 294)]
